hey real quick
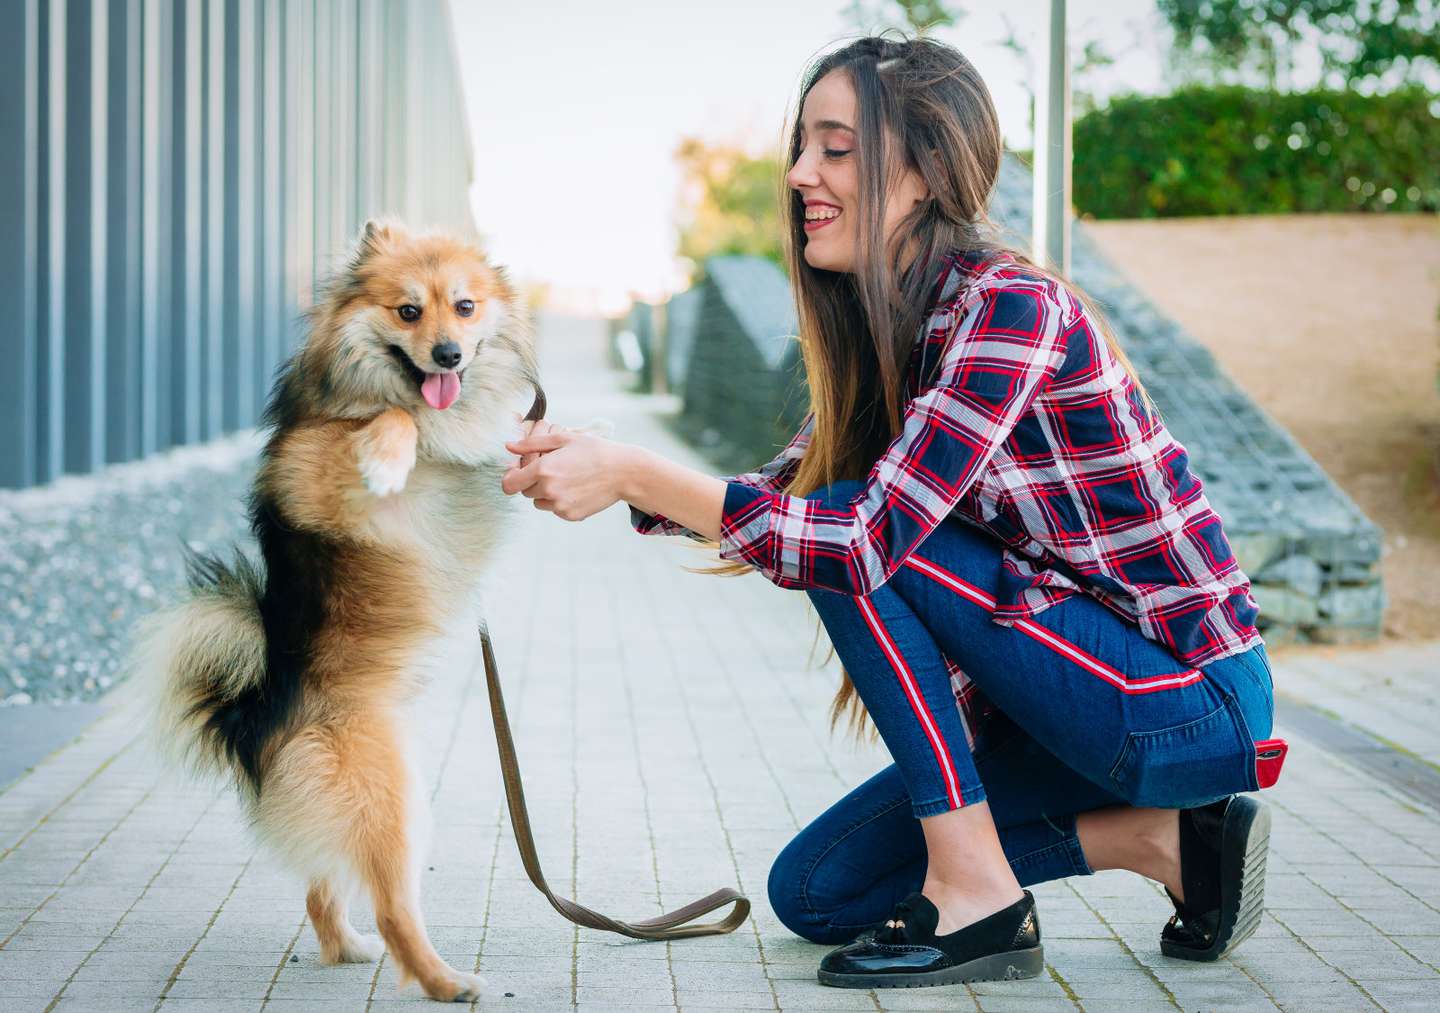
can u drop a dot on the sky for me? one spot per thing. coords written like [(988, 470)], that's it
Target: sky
[(576, 109)]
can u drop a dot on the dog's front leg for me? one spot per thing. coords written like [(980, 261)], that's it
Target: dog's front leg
[(385, 451)]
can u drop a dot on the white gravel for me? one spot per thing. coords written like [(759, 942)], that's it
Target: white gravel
[(83, 558)]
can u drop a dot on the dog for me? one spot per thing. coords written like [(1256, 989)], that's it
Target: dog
[(376, 507)]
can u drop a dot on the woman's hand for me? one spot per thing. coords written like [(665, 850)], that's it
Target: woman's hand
[(570, 474), (536, 427)]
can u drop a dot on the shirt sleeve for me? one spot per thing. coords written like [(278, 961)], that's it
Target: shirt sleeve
[(772, 477), (1006, 344)]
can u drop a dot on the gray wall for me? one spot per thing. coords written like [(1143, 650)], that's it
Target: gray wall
[(174, 176)]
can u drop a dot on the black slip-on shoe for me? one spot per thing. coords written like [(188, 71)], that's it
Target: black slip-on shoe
[(1223, 849), (999, 947)]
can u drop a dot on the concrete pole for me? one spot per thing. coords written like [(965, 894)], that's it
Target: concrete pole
[(1050, 240)]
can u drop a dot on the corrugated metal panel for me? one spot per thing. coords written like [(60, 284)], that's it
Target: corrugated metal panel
[(174, 176)]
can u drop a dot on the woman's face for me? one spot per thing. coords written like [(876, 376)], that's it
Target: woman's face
[(827, 176)]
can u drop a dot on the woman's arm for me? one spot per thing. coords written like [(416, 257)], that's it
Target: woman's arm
[(773, 476), (577, 475), (1007, 342), (657, 485)]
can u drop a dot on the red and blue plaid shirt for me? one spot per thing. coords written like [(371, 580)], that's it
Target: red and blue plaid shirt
[(1025, 425)]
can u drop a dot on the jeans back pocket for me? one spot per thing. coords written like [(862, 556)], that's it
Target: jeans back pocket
[(1188, 764)]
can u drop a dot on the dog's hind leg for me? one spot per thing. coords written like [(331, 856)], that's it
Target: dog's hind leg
[(385, 841), (345, 793), (339, 942)]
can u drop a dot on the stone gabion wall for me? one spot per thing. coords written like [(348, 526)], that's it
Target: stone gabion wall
[(744, 393), (682, 313), (677, 320)]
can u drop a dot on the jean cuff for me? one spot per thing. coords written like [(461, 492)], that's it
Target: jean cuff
[(970, 796), (1069, 831), (1077, 856)]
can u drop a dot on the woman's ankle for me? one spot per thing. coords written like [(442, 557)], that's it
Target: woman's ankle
[(962, 904)]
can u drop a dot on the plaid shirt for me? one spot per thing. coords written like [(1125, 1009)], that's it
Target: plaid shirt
[(1023, 423)]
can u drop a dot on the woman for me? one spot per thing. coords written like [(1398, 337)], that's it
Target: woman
[(985, 510)]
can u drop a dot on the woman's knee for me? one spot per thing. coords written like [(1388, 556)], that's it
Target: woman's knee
[(799, 897), (786, 889)]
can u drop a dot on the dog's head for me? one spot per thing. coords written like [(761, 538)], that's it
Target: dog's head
[(419, 321)]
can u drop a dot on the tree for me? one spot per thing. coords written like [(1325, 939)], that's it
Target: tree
[(1357, 40), (729, 202), (1093, 57), (918, 16)]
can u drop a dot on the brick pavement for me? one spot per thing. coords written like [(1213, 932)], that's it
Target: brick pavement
[(1391, 691), (658, 767)]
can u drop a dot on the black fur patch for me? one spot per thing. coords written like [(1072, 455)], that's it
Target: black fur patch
[(286, 406), (291, 596)]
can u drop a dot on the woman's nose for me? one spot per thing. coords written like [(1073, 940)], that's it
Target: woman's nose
[(802, 173)]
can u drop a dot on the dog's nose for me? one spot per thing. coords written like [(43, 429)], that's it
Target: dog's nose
[(446, 355)]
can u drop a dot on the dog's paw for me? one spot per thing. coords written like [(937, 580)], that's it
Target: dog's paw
[(385, 452), (459, 988), (386, 476), (360, 949)]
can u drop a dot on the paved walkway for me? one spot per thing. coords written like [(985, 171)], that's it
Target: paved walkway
[(659, 767)]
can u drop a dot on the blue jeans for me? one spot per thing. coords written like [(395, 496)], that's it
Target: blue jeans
[(1092, 714)]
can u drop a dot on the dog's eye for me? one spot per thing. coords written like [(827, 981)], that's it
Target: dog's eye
[(464, 307), (409, 312)]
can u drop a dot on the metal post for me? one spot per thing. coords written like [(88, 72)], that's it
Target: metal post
[(1051, 237), (659, 326)]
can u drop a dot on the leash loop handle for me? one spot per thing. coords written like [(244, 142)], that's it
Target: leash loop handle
[(671, 925)]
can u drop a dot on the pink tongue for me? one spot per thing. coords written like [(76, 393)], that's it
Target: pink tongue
[(440, 389)]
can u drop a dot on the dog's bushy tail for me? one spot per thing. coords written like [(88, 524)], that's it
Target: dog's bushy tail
[(203, 659)]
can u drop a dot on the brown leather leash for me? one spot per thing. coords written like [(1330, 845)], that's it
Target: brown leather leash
[(667, 926)]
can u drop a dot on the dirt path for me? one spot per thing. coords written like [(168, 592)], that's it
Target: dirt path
[(1332, 323)]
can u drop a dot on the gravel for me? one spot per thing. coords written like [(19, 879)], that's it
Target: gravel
[(83, 559)]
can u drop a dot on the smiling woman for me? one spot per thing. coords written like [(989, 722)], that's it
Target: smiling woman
[(1000, 536)]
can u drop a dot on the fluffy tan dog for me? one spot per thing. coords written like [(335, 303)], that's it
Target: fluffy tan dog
[(376, 507)]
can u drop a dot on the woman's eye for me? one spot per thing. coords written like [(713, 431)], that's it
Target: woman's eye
[(836, 152), (464, 307), (409, 313)]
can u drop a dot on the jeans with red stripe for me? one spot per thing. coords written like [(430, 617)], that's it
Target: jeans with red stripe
[(1091, 714)]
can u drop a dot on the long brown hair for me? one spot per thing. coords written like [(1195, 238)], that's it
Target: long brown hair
[(922, 106)]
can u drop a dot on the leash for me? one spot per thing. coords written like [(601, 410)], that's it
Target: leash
[(667, 926)]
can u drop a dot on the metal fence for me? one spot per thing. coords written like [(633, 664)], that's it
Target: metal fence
[(174, 176)]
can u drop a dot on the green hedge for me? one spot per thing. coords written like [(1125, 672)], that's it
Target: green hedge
[(1218, 151)]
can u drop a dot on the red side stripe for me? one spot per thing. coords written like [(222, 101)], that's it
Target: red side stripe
[(917, 701), (1056, 643)]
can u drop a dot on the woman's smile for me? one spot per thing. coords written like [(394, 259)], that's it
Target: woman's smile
[(819, 214)]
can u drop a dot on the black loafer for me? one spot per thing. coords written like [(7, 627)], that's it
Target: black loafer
[(1223, 849), (1000, 947)]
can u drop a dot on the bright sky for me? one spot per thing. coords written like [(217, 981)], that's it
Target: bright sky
[(577, 106)]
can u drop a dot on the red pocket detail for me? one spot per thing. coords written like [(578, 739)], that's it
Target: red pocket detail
[(1269, 756)]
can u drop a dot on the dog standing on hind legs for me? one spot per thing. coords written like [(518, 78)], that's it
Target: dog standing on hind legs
[(376, 508)]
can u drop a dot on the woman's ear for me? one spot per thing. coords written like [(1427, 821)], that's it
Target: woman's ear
[(913, 188)]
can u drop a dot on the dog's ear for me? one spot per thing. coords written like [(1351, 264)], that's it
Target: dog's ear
[(375, 236)]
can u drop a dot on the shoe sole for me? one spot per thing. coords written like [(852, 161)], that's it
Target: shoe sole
[(1010, 966), (1245, 846)]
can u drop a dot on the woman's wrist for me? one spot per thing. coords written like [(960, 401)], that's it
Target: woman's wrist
[(631, 472), (655, 485)]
